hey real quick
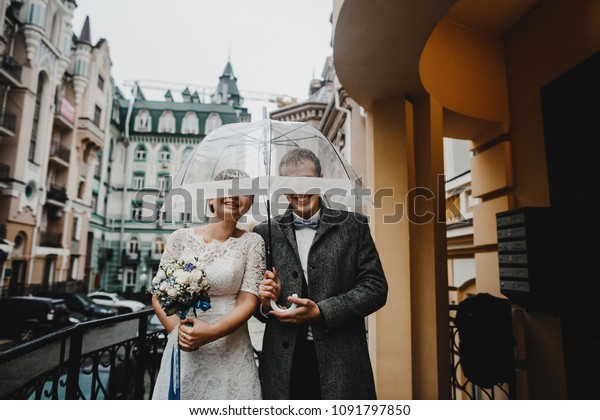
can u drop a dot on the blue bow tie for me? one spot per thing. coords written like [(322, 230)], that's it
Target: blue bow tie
[(301, 223)]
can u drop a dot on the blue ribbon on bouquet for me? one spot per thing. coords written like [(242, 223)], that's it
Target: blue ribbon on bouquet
[(175, 381)]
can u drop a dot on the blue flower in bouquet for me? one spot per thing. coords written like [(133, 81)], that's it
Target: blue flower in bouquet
[(181, 285)]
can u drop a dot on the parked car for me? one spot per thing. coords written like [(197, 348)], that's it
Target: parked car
[(115, 300), (26, 317), (80, 302)]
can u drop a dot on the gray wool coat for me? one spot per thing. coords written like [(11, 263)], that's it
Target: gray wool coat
[(346, 280)]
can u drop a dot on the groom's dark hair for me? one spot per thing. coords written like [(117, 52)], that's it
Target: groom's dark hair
[(297, 155)]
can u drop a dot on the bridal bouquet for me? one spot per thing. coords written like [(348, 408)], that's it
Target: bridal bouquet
[(181, 286)]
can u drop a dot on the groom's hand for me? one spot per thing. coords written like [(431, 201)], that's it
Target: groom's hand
[(269, 288), (306, 311)]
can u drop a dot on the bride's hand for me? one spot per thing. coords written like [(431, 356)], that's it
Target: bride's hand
[(194, 337)]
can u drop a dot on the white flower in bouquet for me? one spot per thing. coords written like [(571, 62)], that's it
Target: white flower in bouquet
[(181, 285)]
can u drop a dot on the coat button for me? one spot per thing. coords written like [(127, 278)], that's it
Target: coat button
[(285, 345), (295, 274)]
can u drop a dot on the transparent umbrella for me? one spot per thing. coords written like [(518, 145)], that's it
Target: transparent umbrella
[(257, 149)]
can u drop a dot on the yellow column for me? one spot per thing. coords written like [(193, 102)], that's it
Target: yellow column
[(429, 271), (388, 147), (411, 331)]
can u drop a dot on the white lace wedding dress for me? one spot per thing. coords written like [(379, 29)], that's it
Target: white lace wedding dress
[(223, 369)]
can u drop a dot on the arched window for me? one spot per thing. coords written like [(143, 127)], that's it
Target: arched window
[(143, 121), (140, 152), (164, 154), (159, 246), (213, 122), (189, 125), (166, 123), (133, 247)]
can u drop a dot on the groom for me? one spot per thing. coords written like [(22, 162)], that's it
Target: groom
[(327, 257)]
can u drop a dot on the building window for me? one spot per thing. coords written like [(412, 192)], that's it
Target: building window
[(98, 165), (213, 122), (36, 118), (166, 123), (97, 115), (76, 234), (133, 247), (138, 181), (81, 190), (100, 83), (189, 125), (115, 111), (165, 154), (130, 277), (142, 121), (164, 182), (158, 246), (95, 202), (136, 212), (140, 153)]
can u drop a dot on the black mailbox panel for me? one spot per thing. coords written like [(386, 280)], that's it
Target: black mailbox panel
[(526, 257)]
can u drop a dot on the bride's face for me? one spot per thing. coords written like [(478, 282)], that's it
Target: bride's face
[(231, 208)]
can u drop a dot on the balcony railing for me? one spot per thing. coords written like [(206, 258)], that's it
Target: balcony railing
[(125, 369), (131, 257), (50, 239), (8, 121), (4, 171), (11, 66), (57, 193), (59, 151), (105, 254)]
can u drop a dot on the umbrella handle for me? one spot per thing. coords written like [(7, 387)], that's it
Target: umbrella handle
[(278, 309)]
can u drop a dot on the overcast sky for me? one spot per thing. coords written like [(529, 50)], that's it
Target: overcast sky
[(275, 46)]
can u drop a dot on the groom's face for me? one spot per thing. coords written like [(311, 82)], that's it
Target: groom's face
[(304, 205)]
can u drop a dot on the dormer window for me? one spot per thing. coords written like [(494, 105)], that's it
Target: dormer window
[(166, 123), (213, 122), (140, 153), (189, 125), (143, 121)]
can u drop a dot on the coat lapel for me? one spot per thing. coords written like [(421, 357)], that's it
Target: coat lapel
[(287, 229), (327, 224)]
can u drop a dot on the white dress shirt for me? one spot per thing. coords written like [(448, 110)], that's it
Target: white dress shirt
[(304, 239)]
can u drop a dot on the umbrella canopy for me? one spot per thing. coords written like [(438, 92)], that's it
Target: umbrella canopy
[(264, 151), (257, 148)]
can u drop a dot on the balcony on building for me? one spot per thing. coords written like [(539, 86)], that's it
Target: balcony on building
[(60, 154), (131, 257), (56, 195), (4, 171), (8, 124), (64, 117), (74, 247), (105, 254), (88, 131), (10, 71), (50, 239)]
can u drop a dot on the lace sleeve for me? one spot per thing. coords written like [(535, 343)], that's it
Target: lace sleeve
[(255, 265), (174, 247)]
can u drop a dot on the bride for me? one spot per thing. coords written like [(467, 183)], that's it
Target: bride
[(217, 358)]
